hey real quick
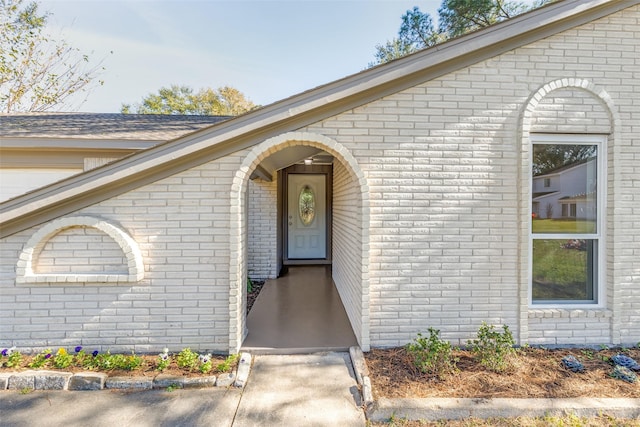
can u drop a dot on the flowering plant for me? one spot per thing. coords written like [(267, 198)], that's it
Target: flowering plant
[(14, 357), (164, 360), (41, 359), (205, 363), (62, 359)]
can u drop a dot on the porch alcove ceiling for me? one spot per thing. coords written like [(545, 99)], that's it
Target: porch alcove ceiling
[(288, 157)]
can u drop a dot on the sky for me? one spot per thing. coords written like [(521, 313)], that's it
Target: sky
[(267, 49)]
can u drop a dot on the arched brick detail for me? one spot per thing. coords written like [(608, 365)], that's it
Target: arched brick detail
[(25, 270), (238, 224), (613, 177)]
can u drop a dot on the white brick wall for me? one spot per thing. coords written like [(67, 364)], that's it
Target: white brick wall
[(444, 164), (81, 250), (181, 226), (446, 171), (262, 229), (347, 239)]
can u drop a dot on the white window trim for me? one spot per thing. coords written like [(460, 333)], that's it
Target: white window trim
[(600, 291)]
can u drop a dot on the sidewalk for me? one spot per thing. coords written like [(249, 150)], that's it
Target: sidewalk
[(301, 390)]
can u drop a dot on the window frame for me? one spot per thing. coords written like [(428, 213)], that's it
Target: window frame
[(599, 291)]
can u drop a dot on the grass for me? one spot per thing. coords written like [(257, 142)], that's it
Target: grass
[(562, 226), (559, 273)]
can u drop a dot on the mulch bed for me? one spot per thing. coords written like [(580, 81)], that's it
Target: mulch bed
[(253, 295), (537, 373)]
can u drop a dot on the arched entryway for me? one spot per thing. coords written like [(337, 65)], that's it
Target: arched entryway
[(348, 238)]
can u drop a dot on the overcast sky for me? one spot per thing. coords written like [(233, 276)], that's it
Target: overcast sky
[(267, 49)]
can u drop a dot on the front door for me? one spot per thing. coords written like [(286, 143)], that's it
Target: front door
[(306, 216)]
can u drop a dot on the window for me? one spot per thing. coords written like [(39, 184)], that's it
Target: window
[(566, 243), (547, 182)]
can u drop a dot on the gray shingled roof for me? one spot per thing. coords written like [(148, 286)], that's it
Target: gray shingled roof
[(147, 127)]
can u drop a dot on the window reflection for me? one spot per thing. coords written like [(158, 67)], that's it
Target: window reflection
[(563, 269), (564, 186)]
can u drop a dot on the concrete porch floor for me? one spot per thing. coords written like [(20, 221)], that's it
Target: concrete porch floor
[(299, 312)]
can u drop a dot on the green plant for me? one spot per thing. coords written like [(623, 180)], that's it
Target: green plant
[(40, 359), (249, 285), (187, 359), (129, 362), (587, 353), (62, 359), (228, 363), (172, 387), (205, 363), (432, 355), (493, 348), (14, 357), (164, 360)]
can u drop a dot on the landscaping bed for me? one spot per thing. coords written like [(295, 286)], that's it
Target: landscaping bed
[(534, 373), (184, 363)]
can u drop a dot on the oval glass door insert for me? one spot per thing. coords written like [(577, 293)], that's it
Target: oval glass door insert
[(307, 205)]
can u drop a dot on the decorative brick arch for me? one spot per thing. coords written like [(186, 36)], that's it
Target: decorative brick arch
[(567, 83), (25, 272), (238, 224), (614, 179)]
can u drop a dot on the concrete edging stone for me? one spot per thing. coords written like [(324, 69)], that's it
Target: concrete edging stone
[(89, 381), (432, 409)]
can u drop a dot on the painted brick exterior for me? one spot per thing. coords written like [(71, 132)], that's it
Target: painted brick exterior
[(431, 216), (262, 229), (346, 241), (183, 301), (81, 250)]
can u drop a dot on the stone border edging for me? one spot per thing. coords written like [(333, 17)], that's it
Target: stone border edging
[(432, 409), (85, 381)]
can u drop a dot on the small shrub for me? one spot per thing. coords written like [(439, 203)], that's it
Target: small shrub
[(228, 363), (493, 349), (432, 355), (187, 359)]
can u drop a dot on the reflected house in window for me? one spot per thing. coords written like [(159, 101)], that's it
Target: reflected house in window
[(568, 192)]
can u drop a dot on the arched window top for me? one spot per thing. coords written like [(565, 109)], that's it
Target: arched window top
[(25, 272)]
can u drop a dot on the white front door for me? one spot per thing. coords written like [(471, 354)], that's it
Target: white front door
[(306, 216)]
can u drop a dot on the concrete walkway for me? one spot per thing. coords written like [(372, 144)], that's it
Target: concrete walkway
[(300, 390)]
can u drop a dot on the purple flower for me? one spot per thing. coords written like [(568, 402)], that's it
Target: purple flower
[(47, 356), (5, 351), (78, 348), (95, 353)]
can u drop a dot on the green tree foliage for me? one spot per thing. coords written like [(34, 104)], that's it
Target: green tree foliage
[(461, 16), (548, 157), (456, 17), (182, 100), (37, 72)]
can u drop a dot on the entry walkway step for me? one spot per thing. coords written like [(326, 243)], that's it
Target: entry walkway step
[(301, 390), (299, 312)]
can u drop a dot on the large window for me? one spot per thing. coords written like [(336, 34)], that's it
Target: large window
[(566, 220)]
